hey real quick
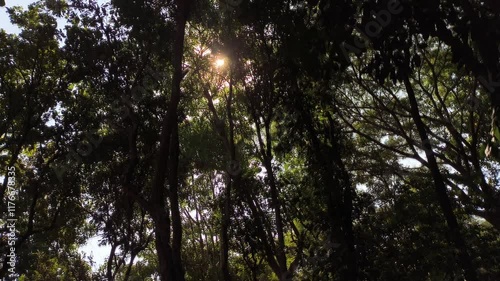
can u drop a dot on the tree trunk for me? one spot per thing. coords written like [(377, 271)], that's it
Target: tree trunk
[(173, 180), (230, 178), (344, 181), (339, 195), (168, 260), (224, 247), (161, 221), (440, 188), (267, 157)]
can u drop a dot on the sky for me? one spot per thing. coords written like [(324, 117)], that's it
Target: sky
[(5, 21), (92, 247), (4, 17)]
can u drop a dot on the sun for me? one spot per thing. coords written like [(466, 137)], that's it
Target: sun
[(220, 63)]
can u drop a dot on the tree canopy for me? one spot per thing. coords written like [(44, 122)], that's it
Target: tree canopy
[(251, 140)]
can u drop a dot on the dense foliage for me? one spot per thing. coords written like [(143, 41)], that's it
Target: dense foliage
[(251, 140)]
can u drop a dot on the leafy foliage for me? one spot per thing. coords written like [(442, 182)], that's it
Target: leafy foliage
[(252, 140)]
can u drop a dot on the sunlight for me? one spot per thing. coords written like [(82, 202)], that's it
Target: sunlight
[(203, 51), (220, 63)]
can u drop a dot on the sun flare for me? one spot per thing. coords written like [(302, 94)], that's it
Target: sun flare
[(220, 62)]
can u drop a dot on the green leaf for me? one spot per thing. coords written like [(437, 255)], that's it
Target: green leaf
[(496, 132), (482, 151)]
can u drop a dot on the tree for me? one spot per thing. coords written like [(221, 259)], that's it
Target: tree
[(251, 140)]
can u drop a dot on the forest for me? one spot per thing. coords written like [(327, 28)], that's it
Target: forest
[(251, 140)]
